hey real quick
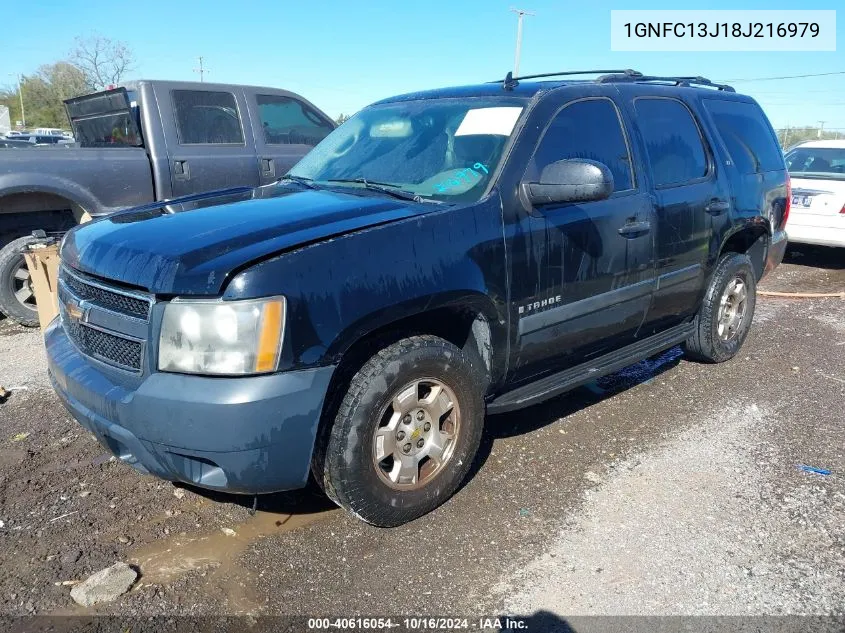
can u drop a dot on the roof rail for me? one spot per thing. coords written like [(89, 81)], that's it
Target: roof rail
[(677, 81), (510, 82)]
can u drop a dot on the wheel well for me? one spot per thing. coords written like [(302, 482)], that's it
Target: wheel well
[(752, 242), (22, 213), (464, 328)]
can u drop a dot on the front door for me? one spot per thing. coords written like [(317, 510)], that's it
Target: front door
[(582, 277)]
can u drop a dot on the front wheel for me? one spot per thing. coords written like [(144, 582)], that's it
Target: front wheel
[(725, 316), (405, 434)]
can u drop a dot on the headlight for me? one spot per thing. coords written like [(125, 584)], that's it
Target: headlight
[(221, 337)]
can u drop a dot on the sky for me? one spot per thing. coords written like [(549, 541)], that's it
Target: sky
[(345, 55)]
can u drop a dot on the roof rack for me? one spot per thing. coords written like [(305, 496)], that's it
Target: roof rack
[(510, 82), (675, 81), (618, 76)]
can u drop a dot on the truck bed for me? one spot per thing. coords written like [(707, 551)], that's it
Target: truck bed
[(120, 176)]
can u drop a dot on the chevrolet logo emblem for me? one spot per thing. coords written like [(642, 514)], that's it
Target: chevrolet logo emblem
[(74, 310)]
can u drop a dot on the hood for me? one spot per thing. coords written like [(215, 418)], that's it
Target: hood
[(191, 245)]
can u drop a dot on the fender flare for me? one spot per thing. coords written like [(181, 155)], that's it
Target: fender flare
[(29, 182), (469, 300)]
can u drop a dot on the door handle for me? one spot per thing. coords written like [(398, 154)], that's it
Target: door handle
[(181, 170), (635, 229), (717, 206), (268, 167)]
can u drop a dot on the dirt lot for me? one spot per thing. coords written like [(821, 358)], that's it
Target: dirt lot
[(669, 488)]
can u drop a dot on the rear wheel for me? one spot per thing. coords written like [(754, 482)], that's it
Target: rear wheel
[(405, 434), (17, 298), (725, 316)]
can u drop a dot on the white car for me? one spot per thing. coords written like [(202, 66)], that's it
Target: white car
[(48, 131), (817, 213)]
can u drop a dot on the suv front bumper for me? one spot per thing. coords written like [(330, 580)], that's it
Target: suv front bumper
[(248, 435)]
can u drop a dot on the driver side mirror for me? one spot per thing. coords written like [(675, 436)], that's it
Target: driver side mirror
[(570, 180)]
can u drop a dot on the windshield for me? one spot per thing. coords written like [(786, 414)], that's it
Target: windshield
[(822, 161), (444, 149)]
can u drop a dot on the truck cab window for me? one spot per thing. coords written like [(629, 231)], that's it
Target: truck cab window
[(588, 129), (206, 117), (287, 121)]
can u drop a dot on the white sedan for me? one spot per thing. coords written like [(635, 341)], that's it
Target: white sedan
[(817, 214)]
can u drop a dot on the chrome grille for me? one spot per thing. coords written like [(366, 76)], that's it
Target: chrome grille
[(103, 321), (111, 299)]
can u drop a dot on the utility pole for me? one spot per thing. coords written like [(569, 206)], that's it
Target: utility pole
[(821, 129), (20, 94), (201, 70), (520, 13)]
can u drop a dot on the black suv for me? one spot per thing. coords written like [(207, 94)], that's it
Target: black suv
[(441, 255)]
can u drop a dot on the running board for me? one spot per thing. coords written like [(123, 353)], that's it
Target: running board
[(567, 379)]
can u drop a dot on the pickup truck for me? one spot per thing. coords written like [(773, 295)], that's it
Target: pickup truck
[(142, 142), (440, 255)]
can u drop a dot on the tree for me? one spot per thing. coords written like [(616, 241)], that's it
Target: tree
[(43, 94), (103, 61), (791, 136), (341, 119), (9, 98)]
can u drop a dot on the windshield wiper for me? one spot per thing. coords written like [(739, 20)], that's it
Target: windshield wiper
[(383, 187), (302, 180)]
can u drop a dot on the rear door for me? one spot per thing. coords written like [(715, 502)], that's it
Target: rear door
[(209, 140), (752, 161), (286, 128), (687, 193)]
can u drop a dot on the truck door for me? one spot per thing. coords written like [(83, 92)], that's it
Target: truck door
[(582, 273), (286, 128), (209, 145), (688, 192)]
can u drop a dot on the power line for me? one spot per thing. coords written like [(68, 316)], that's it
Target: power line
[(839, 72)]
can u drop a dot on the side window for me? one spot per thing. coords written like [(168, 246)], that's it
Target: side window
[(205, 117), (751, 144), (588, 129), (673, 142), (287, 121)]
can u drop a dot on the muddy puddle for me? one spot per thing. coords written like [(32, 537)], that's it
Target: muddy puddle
[(216, 556)]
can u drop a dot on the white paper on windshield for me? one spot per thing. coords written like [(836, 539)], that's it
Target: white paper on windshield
[(499, 121)]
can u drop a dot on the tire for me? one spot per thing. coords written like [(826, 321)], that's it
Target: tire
[(716, 341), (16, 298), (388, 399)]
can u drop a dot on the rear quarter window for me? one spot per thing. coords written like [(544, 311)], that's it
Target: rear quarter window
[(746, 134)]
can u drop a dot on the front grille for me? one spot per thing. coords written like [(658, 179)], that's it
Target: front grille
[(103, 321), (113, 300), (105, 346)]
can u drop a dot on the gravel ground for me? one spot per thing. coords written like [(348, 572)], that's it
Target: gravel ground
[(668, 488), (708, 524)]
